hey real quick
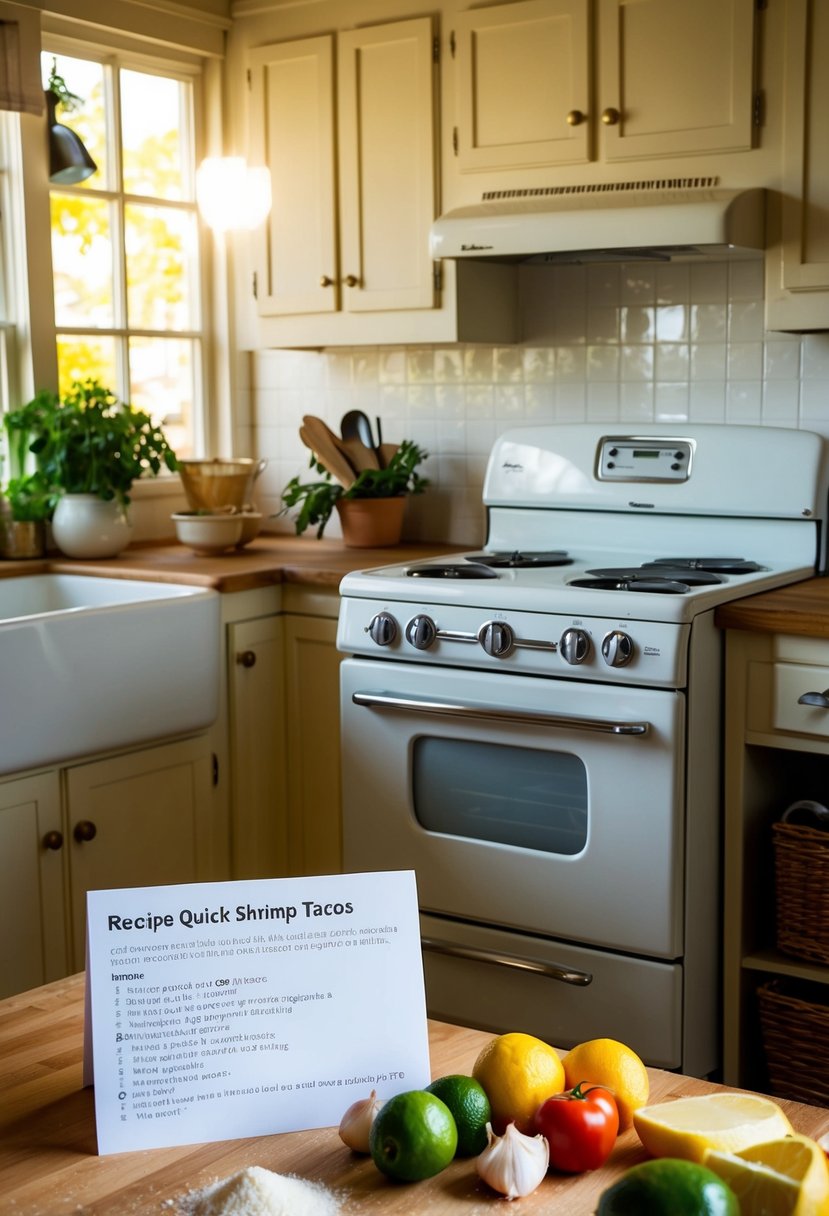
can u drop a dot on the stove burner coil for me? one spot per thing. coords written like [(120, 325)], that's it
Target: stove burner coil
[(662, 586), (724, 565), (450, 570), (519, 560), (653, 570)]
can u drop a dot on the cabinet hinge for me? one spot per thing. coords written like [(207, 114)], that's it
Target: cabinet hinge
[(455, 140), (759, 108), (215, 769), (255, 286), (436, 50), (452, 43)]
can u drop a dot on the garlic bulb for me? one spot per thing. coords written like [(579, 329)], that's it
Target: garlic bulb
[(355, 1125), (513, 1164)]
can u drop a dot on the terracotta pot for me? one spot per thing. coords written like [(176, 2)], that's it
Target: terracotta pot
[(371, 523)]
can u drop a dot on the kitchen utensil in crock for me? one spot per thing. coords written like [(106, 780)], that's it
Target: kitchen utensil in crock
[(325, 446)]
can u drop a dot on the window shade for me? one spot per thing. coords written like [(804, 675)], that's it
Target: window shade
[(21, 89)]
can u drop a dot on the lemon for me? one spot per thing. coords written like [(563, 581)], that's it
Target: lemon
[(470, 1109), (413, 1136), (725, 1121), (518, 1073), (615, 1067), (788, 1177), (668, 1188)]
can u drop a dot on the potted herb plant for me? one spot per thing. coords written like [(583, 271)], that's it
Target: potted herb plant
[(371, 509), (89, 448)]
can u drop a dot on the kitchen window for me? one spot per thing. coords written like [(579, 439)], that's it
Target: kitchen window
[(125, 241)]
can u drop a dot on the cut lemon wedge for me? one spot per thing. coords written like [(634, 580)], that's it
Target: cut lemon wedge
[(725, 1121), (788, 1177)]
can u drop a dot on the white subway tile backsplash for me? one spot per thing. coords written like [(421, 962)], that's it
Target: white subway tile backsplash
[(634, 343)]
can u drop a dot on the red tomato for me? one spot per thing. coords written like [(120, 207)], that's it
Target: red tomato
[(580, 1126)]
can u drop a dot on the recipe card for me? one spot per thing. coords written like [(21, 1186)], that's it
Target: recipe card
[(231, 1009)]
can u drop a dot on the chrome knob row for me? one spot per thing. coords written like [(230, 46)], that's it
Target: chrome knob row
[(497, 639)]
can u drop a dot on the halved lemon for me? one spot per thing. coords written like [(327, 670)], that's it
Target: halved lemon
[(788, 1177), (727, 1121)]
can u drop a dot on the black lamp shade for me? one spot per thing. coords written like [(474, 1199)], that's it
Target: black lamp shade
[(69, 161)]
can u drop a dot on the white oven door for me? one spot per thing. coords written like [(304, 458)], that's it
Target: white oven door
[(551, 807)]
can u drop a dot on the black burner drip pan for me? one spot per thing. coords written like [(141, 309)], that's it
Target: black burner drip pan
[(654, 585), (719, 565), (654, 570), (517, 560), (450, 570)]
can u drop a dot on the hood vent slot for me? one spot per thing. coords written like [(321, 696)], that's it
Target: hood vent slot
[(655, 183)]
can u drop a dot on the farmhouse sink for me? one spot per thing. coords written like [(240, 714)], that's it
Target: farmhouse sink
[(88, 664)]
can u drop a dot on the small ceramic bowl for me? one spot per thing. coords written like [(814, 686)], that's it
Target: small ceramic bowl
[(251, 527), (208, 533)]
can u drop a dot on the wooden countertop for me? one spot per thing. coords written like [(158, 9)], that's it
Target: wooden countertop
[(264, 562), (802, 608), (49, 1166)]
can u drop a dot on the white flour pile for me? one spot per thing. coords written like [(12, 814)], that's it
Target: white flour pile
[(259, 1192)]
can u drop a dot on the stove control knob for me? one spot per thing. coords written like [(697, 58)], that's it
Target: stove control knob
[(574, 646), (421, 631), (617, 649), (382, 629), (496, 638)]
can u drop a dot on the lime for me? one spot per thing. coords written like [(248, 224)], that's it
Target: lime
[(469, 1107), (413, 1137), (668, 1187)]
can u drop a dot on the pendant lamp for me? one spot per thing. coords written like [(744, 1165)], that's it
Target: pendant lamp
[(69, 161)]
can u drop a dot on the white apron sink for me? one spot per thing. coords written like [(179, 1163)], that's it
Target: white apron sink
[(90, 664)]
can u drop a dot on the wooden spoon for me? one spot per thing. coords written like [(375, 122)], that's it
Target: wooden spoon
[(327, 454)]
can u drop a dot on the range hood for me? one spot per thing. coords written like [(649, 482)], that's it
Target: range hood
[(652, 221)]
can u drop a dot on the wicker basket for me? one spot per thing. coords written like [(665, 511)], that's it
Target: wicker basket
[(801, 856), (795, 1025)]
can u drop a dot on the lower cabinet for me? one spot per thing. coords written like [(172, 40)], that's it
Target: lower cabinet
[(141, 818), (283, 731)]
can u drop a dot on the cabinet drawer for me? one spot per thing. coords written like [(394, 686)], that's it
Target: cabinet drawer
[(791, 681)]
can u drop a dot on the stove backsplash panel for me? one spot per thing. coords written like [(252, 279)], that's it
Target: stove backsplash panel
[(618, 343)]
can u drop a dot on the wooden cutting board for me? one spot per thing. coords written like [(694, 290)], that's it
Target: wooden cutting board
[(49, 1167)]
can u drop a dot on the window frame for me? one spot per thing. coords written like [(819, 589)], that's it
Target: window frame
[(114, 55)]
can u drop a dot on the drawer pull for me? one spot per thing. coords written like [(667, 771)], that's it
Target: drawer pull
[(563, 974), (85, 831), (818, 699), (53, 840), (247, 658)]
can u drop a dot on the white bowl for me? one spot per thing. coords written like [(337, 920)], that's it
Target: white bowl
[(208, 533), (251, 527)]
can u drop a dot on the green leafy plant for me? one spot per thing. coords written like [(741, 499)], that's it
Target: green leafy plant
[(87, 443), (31, 499), (316, 499)]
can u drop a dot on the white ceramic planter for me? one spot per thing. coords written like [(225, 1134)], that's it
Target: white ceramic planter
[(87, 526)]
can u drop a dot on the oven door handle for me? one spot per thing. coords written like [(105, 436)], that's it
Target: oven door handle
[(427, 705), (552, 970)]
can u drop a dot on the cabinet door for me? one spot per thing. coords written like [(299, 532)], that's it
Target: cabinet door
[(387, 165), (797, 287), (142, 819), (675, 77), (256, 678), (313, 732), (292, 104), (523, 85), (32, 911)]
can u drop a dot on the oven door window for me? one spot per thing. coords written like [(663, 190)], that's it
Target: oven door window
[(518, 796)]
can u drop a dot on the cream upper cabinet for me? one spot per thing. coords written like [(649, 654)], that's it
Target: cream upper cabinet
[(357, 241), (797, 264), (672, 78), (523, 85), (292, 87)]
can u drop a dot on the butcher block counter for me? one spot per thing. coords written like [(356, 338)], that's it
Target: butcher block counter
[(266, 561), (49, 1166), (801, 609)]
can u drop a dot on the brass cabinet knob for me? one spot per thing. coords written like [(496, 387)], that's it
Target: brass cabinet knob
[(53, 840), (351, 280), (325, 281), (610, 116), (84, 831), (246, 658), (575, 118)]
